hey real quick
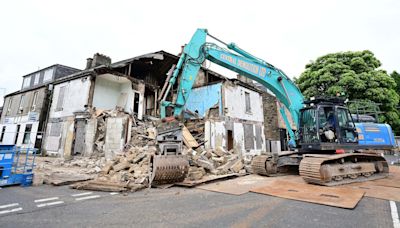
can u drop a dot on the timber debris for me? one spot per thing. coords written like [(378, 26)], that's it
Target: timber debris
[(128, 169)]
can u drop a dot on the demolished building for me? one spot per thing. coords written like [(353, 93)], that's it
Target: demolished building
[(232, 113)]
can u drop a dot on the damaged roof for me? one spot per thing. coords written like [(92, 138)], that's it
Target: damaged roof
[(159, 55)]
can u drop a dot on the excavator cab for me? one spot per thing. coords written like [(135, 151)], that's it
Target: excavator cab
[(326, 124)]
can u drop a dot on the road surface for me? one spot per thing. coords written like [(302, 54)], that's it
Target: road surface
[(48, 206)]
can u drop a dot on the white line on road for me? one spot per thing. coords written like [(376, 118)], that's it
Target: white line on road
[(46, 199), (114, 193), (50, 204), (9, 205), (87, 197), (82, 194), (12, 210), (395, 215)]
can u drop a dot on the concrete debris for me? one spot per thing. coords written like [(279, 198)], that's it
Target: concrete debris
[(128, 169)]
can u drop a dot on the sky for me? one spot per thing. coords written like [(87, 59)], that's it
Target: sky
[(287, 34)]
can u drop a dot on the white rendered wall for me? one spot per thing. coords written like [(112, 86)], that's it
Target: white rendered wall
[(235, 104)]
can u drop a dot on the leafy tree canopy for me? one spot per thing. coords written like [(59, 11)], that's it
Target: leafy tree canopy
[(355, 74), (396, 77)]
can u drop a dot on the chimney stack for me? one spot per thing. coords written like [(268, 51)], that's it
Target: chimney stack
[(100, 59), (88, 63)]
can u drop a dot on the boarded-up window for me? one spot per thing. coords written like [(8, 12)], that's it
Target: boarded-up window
[(247, 101), (55, 129), (258, 137), (60, 100), (248, 136)]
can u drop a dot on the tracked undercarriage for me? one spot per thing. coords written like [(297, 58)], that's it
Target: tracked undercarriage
[(324, 169)]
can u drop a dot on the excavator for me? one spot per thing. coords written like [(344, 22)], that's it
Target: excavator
[(328, 148)]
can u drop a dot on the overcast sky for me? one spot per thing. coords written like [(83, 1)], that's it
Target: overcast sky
[(288, 34)]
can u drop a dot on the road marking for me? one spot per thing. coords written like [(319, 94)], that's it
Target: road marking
[(114, 193), (45, 199), (50, 204), (12, 210), (9, 205), (82, 194), (87, 197), (395, 215)]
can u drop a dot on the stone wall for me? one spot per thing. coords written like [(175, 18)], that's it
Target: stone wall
[(271, 122)]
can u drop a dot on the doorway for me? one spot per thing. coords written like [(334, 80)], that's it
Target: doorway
[(229, 140)]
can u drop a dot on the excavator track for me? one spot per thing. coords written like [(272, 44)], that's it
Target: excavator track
[(258, 165), (168, 169), (266, 165), (332, 170)]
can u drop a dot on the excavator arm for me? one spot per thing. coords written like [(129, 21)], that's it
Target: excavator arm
[(240, 61)]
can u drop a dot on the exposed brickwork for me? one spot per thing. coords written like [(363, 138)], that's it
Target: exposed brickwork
[(271, 126)]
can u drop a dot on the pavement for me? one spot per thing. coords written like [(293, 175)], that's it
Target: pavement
[(48, 206)]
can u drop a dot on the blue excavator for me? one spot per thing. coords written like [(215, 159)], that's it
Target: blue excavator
[(328, 148)]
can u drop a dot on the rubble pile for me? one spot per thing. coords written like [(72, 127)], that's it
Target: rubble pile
[(129, 169), (58, 171), (213, 162)]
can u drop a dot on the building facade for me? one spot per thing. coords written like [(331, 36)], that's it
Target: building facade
[(233, 115), (24, 118)]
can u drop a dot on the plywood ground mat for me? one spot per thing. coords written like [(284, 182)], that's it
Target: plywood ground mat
[(376, 191), (332, 196), (293, 187), (242, 185)]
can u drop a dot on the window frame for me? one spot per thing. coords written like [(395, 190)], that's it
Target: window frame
[(34, 101), (21, 104), (27, 135), (247, 101)]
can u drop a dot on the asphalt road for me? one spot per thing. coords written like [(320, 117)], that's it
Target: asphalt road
[(47, 206)]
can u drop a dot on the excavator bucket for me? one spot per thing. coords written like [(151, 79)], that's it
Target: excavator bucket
[(167, 169)]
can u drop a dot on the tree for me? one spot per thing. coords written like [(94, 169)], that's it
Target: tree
[(355, 74), (396, 77)]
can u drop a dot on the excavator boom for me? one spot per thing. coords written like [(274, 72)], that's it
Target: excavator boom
[(198, 50)]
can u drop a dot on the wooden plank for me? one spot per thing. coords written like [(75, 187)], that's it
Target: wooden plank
[(331, 196), (103, 188), (188, 138), (59, 179), (188, 183)]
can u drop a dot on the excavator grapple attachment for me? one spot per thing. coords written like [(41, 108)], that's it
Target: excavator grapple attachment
[(166, 169), (332, 170), (169, 165)]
